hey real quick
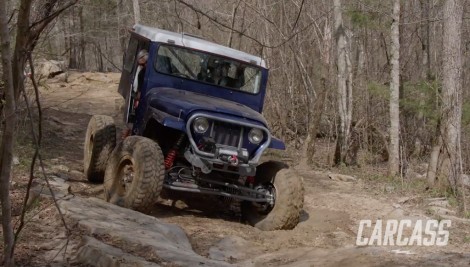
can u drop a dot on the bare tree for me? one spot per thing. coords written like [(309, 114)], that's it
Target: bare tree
[(7, 138), (136, 7), (28, 32), (344, 80), (447, 147), (452, 90), (27, 35), (394, 157)]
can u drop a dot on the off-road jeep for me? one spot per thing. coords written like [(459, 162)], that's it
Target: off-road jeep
[(197, 128)]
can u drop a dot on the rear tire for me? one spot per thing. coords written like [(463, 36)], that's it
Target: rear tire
[(289, 198), (100, 141), (135, 173)]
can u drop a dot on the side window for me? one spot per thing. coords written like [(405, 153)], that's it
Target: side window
[(130, 54)]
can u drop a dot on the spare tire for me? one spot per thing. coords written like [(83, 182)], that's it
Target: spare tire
[(100, 141), (135, 173), (287, 187)]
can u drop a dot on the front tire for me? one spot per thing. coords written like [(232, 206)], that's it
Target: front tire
[(135, 173), (288, 189), (100, 141)]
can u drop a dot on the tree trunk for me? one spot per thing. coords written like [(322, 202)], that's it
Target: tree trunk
[(452, 90), (234, 14), (426, 46), (433, 161), (394, 150), (344, 86), (325, 48), (21, 46), (136, 7), (7, 138), (82, 39)]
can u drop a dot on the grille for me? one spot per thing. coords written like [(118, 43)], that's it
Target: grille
[(225, 133)]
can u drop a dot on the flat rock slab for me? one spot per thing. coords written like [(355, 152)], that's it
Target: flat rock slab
[(96, 253), (131, 232), (234, 248)]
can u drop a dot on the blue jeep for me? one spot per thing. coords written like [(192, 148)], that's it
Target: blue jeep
[(197, 128)]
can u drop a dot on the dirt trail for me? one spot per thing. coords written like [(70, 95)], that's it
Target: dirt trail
[(325, 236)]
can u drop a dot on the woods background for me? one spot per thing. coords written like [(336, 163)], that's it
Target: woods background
[(360, 83), (330, 68)]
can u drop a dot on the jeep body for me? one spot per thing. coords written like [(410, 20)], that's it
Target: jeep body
[(197, 128), (179, 91)]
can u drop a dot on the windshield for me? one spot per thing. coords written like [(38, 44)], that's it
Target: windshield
[(209, 68)]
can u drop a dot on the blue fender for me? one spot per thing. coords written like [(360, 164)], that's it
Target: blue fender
[(277, 144)]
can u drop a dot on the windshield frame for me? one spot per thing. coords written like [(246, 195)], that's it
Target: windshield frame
[(252, 71)]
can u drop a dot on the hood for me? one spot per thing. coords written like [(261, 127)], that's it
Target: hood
[(181, 103)]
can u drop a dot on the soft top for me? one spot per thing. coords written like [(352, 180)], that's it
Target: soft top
[(185, 40)]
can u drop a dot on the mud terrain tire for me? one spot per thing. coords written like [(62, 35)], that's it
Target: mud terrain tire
[(289, 198), (100, 141), (135, 173)]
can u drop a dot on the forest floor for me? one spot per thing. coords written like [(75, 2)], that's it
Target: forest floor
[(326, 235)]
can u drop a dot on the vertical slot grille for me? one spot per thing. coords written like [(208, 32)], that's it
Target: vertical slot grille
[(226, 134)]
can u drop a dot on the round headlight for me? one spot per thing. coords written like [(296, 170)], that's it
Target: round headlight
[(255, 136), (200, 125)]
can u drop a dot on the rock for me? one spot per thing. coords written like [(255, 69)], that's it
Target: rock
[(60, 168), (442, 211), (15, 160), (59, 78), (440, 203), (233, 248), (95, 253), (132, 232), (341, 177), (50, 68)]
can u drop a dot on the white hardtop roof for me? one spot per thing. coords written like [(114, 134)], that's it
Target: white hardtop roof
[(185, 40)]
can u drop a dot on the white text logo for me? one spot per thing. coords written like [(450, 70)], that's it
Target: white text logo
[(403, 233)]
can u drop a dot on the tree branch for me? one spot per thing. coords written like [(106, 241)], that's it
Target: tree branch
[(37, 141), (298, 15), (38, 26), (242, 33)]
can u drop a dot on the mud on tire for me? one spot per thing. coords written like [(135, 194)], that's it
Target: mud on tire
[(289, 200), (135, 173), (100, 141)]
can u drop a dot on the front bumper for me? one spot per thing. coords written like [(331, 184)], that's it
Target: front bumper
[(225, 156)]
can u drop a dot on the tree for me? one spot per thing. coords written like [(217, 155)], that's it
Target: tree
[(7, 138), (27, 36), (394, 156), (136, 8), (344, 81), (451, 108)]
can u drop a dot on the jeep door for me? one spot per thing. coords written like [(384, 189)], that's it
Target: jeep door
[(129, 67)]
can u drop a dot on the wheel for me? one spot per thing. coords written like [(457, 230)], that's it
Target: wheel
[(288, 191), (100, 141), (135, 173)]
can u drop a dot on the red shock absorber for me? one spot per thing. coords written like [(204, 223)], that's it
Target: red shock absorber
[(171, 155), (170, 158)]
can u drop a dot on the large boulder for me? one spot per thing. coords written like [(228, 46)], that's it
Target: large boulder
[(137, 237), (52, 69)]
